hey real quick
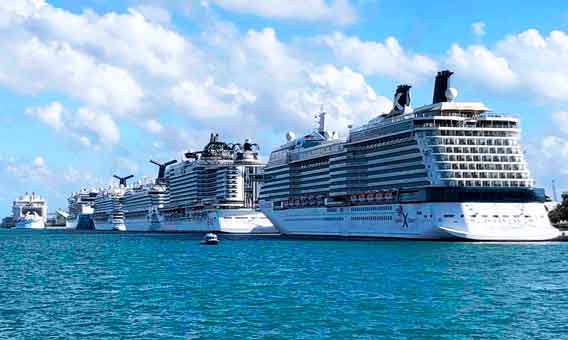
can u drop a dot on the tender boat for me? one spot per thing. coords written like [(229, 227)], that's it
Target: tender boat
[(210, 239)]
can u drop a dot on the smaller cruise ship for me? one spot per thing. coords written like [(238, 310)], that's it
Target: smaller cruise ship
[(142, 202), (30, 212), (81, 209), (108, 213)]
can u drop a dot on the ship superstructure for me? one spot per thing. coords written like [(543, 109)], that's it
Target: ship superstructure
[(142, 202), (445, 170), (29, 211), (108, 213), (216, 189), (81, 208)]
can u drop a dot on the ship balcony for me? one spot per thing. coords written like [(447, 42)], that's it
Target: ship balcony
[(484, 175), (457, 182)]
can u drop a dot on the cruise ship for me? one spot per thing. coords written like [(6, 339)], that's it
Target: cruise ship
[(81, 208), (142, 202), (108, 212), (447, 170), (216, 190), (29, 212)]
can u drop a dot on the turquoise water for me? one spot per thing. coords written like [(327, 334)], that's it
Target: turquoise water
[(58, 285)]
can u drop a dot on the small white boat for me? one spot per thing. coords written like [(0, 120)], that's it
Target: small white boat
[(210, 239)]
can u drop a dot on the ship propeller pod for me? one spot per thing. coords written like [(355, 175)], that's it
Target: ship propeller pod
[(162, 168), (122, 180), (441, 86), (401, 98)]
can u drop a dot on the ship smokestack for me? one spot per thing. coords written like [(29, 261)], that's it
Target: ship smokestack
[(162, 170), (401, 98), (441, 85), (122, 180)]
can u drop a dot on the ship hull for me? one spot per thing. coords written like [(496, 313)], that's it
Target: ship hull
[(81, 222), (109, 225), (234, 221), (141, 225), (71, 223), (30, 224), (433, 221)]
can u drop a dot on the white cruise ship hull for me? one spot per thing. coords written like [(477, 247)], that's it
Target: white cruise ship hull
[(141, 225), (233, 221), (435, 221), (110, 225), (71, 223), (30, 224)]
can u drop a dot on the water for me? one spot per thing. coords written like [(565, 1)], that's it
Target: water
[(59, 285)]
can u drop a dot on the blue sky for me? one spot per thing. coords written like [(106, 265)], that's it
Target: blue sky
[(98, 87)]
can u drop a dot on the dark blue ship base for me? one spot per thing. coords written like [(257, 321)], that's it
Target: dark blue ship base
[(85, 222)]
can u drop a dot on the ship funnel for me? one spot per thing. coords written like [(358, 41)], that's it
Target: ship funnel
[(122, 180), (162, 170), (441, 86), (401, 98)]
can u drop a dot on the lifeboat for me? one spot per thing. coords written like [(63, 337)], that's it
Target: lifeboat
[(388, 195), (370, 196), (379, 196)]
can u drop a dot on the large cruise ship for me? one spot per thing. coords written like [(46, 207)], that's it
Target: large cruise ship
[(30, 212), (142, 202), (216, 190), (108, 213), (441, 171), (81, 207)]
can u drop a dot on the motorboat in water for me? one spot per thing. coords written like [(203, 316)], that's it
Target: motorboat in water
[(210, 239)]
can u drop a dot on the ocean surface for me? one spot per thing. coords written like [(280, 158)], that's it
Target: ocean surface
[(89, 285)]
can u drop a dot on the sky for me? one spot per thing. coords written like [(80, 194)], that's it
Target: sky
[(98, 87)]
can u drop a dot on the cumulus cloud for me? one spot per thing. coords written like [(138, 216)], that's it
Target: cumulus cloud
[(477, 63), (125, 67), (84, 125), (478, 28), (39, 162), (334, 11), (386, 58), (207, 100), (51, 115), (29, 65), (154, 126), (528, 62)]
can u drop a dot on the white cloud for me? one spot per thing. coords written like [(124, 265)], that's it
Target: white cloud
[(30, 65), (154, 126), (524, 62), (51, 115), (479, 64), (379, 58), (116, 66), (84, 125), (346, 96), (39, 162), (478, 28), (207, 100), (333, 12), (100, 124)]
